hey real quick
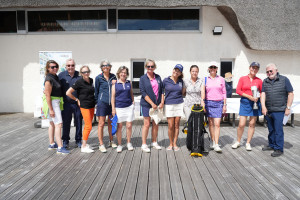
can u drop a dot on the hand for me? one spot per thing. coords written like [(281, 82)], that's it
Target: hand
[(264, 111), (78, 102), (113, 82), (255, 99), (161, 105), (52, 113), (224, 109), (113, 112), (154, 106), (287, 112)]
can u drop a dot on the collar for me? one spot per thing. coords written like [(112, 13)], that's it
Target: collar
[(148, 76), (217, 76), (110, 76), (118, 81)]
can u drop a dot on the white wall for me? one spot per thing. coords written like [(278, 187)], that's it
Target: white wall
[(19, 63)]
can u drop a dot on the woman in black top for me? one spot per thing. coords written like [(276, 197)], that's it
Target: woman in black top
[(53, 106), (86, 102)]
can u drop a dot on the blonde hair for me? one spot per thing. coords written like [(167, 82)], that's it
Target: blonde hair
[(121, 69), (150, 60), (84, 66), (48, 66)]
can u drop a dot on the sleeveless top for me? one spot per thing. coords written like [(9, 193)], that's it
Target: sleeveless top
[(122, 94)]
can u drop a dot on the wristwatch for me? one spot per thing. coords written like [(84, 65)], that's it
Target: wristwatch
[(288, 107)]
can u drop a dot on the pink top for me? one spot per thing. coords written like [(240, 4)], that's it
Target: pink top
[(244, 85), (215, 89), (154, 85)]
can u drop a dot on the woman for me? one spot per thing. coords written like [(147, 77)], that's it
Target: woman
[(52, 106), (122, 102), (192, 91), (103, 84), (86, 101), (246, 104), (173, 86), (214, 93), (151, 88)]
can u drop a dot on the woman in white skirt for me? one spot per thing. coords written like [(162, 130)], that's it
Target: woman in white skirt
[(122, 101), (173, 86)]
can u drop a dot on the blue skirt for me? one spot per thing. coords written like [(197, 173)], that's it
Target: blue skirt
[(246, 108), (214, 109)]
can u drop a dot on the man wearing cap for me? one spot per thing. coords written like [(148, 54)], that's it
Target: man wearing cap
[(67, 79), (276, 100)]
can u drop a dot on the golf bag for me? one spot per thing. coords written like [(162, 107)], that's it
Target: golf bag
[(196, 131)]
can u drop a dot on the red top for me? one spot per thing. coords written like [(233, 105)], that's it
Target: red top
[(244, 85)]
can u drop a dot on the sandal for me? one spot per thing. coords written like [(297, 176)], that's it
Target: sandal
[(176, 148), (169, 148)]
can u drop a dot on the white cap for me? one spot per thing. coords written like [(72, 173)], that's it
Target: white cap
[(213, 63)]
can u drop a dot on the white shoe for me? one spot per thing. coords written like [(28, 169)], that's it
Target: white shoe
[(248, 147), (102, 148), (217, 148), (212, 145), (145, 148), (156, 146), (129, 146), (119, 148), (236, 145), (112, 144), (87, 149)]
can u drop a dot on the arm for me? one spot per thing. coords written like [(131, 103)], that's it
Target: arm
[(224, 96), (241, 93), (184, 91), (144, 94), (131, 94), (264, 109), (47, 91), (161, 105), (97, 86), (69, 94), (289, 103), (113, 95), (202, 95)]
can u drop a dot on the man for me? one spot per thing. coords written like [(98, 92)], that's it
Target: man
[(68, 78), (276, 100)]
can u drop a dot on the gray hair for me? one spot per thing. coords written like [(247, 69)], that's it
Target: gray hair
[(271, 65), (104, 61), (70, 59)]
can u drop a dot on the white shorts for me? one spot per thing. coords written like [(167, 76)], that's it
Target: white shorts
[(125, 114), (174, 110), (56, 107)]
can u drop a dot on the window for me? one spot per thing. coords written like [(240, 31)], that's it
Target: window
[(226, 66), (158, 19), (21, 21), (137, 71), (112, 19), (8, 22), (77, 20)]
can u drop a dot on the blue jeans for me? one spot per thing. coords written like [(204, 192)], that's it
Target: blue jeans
[(69, 109), (275, 126)]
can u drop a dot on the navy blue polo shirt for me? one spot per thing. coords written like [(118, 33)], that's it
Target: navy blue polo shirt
[(66, 82), (173, 91), (123, 97)]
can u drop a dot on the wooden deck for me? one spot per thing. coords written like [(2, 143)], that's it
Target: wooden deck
[(29, 171)]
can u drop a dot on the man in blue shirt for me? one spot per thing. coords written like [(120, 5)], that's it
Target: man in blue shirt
[(276, 101), (67, 79)]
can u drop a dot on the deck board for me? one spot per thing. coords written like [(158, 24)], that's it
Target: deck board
[(29, 171)]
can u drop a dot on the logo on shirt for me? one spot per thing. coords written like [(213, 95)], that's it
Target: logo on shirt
[(180, 84)]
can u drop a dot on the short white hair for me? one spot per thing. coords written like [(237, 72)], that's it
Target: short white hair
[(70, 59), (271, 65)]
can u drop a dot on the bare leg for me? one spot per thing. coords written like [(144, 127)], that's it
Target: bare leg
[(84, 143), (171, 130), (240, 129), (145, 129), (57, 132), (211, 128), (128, 131), (51, 132), (109, 129), (101, 123), (154, 131), (176, 130), (217, 122), (251, 128), (119, 133)]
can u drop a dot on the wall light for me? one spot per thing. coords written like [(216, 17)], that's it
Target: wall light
[(218, 30)]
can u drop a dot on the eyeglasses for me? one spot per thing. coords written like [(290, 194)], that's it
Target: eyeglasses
[(70, 65), (151, 66), (270, 71), (105, 66), (213, 67), (86, 72), (52, 67)]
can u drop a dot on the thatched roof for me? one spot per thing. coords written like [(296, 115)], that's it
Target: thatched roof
[(261, 24)]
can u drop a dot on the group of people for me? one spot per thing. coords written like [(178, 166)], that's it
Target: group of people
[(113, 95)]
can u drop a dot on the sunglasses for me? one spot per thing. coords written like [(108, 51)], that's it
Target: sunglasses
[(70, 65), (86, 72), (213, 67), (52, 67), (105, 65), (151, 66), (270, 71)]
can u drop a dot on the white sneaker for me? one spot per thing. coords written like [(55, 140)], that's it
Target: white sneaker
[(156, 146), (236, 145), (145, 148), (102, 148), (87, 149), (119, 148), (217, 148), (112, 144), (212, 144), (129, 147), (248, 147)]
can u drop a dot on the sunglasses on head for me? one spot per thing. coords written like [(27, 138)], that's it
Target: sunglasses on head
[(70, 65), (212, 67), (270, 71), (151, 66), (52, 67), (85, 72)]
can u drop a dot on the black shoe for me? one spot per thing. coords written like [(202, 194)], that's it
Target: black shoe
[(267, 148), (276, 153), (66, 144)]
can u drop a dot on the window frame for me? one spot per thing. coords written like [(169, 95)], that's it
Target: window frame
[(131, 70)]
